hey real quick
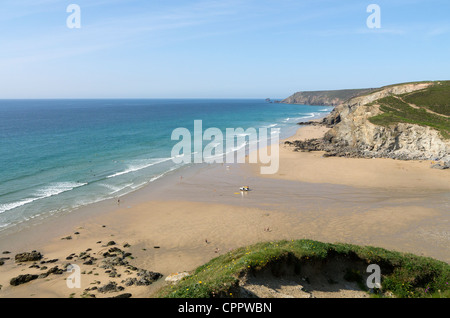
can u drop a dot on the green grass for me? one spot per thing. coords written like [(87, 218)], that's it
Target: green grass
[(435, 98), (405, 275), (396, 111)]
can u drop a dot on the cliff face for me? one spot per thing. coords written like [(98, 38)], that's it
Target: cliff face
[(352, 131), (324, 98), (303, 98)]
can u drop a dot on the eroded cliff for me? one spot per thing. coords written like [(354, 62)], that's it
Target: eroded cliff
[(353, 133)]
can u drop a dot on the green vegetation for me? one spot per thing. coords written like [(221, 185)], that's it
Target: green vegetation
[(435, 98), (403, 275), (427, 107)]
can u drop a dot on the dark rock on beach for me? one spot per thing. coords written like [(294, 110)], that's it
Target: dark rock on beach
[(129, 281), (146, 277), (336, 148), (307, 145), (111, 262), (52, 260), (22, 279), (124, 295), (28, 257), (110, 287), (441, 166), (115, 250), (310, 123), (55, 270)]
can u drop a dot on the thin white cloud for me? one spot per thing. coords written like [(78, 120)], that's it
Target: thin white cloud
[(439, 30), (107, 33)]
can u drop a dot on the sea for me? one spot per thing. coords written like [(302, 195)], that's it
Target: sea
[(59, 155)]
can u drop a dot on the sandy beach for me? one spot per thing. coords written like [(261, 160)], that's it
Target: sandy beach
[(374, 173), (184, 220)]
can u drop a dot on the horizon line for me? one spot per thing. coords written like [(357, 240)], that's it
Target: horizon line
[(119, 98)]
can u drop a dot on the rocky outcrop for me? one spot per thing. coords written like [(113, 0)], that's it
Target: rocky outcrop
[(22, 279), (110, 287), (3, 259), (144, 278), (402, 141), (124, 295), (109, 257), (54, 270), (353, 135), (28, 257)]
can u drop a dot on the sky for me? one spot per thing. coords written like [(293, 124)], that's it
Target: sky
[(217, 48)]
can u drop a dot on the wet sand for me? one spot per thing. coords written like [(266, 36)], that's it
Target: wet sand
[(182, 221)]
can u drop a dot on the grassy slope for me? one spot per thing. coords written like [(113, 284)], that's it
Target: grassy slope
[(409, 275), (435, 98)]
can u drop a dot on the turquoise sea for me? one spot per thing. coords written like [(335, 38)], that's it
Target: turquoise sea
[(57, 155)]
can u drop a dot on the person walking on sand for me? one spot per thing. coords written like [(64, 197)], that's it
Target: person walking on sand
[(118, 201)]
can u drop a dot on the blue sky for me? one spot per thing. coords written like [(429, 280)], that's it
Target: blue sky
[(217, 48)]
